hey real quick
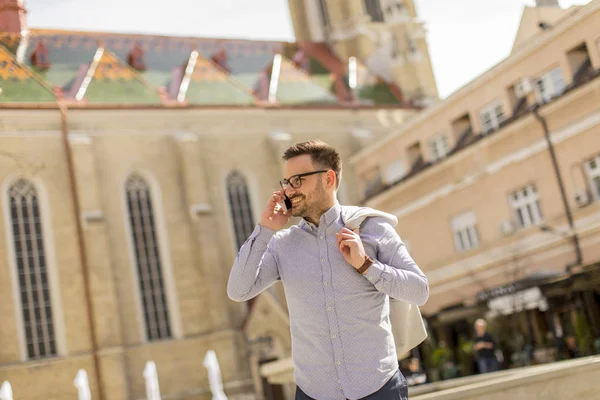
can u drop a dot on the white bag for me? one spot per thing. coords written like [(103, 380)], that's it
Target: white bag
[(408, 327)]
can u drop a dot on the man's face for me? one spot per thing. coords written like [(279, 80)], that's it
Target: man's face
[(308, 200), (480, 329)]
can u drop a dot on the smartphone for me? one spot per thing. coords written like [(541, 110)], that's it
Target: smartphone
[(287, 203)]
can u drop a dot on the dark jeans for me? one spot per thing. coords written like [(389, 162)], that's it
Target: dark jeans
[(487, 365), (395, 389)]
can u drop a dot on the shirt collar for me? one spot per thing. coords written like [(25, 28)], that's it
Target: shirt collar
[(327, 218), (332, 214)]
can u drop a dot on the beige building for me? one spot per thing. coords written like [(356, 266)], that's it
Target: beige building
[(132, 167), (119, 230), (386, 34), (497, 188)]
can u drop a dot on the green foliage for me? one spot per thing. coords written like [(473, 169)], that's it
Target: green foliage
[(440, 356), (583, 332), (427, 350), (465, 355)]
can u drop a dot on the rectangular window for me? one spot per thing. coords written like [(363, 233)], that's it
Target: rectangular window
[(415, 156), (491, 116), (373, 8), (438, 147), (550, 85), (395, 171), (462, 130), (412, 45), (464, 228), (373, 182), (580, 62), (592, 170), (526, 206)]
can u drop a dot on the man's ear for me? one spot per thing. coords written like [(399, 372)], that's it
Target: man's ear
[(331, 178)]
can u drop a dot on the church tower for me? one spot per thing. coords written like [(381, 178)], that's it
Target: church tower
[(13, 16), (386, 35), (547, 3)]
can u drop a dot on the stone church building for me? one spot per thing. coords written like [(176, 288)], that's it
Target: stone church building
[(132, 167)]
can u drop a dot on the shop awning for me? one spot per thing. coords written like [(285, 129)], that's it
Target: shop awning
[(532, 280), (528, 299)]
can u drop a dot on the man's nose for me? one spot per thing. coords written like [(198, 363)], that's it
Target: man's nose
[(289, 191)]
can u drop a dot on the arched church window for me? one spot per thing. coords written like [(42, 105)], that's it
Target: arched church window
[(149, 268), (32, 270), (240, 207)]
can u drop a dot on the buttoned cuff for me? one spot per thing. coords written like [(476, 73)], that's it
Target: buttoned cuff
[(374, 272)]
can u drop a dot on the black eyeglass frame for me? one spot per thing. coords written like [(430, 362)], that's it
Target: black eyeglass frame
[(284, 182)]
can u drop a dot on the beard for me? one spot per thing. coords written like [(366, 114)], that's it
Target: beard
[(300, 209), (311, 205)]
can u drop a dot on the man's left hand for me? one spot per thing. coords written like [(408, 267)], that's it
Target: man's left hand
[(351, 247)]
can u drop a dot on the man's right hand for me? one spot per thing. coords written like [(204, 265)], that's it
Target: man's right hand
[(273, 217)]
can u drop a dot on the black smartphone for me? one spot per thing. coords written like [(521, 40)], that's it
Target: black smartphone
[(287, 203)]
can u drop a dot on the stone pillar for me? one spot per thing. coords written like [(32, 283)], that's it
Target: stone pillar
[(203, 221), (335, 10), (280, 141), (356, 9), (102, 280)]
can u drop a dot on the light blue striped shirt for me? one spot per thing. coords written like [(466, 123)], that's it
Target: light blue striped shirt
[(342, 343)]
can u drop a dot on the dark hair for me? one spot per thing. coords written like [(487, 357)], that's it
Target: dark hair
[(321, 154)]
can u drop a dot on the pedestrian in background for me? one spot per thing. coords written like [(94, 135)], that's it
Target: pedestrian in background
[(485, 347)]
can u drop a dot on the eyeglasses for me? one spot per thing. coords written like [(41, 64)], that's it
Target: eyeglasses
[(295, 181)]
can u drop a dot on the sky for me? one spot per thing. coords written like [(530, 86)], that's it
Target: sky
[(465, 37)]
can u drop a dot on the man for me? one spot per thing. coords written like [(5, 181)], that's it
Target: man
[(337, 282), (484, 345)]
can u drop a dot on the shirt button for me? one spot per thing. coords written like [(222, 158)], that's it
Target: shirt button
[(321, 236), (338, 363), (325, 283), (341, 387), (328, 308), (334, 336), (322, 260), (339, 381)]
